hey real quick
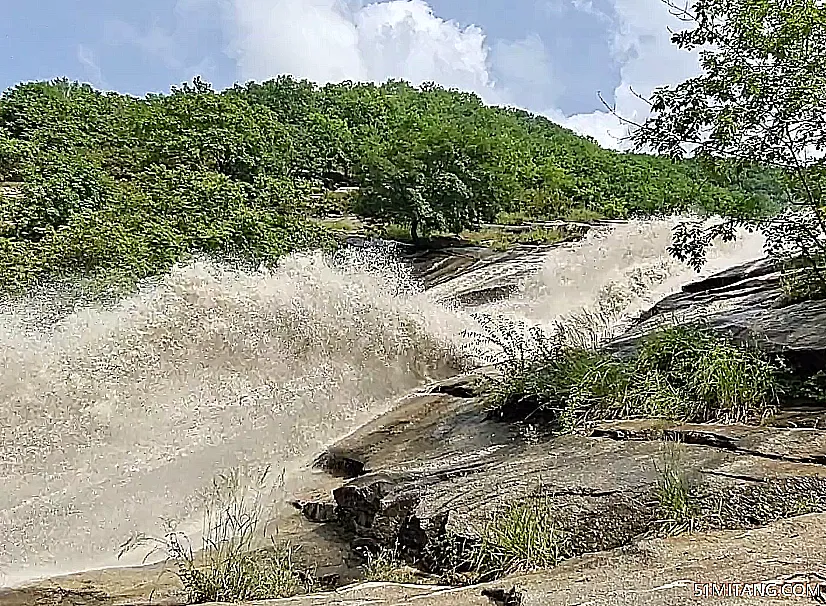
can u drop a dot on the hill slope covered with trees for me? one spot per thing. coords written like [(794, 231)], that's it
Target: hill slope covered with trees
[(121, 188)]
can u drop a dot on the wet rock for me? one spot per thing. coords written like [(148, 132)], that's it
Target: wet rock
[(339, 465), (748, 303), (500, 597), (460, 273), (317, 512)]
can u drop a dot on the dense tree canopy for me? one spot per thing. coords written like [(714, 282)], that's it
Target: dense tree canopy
[(111, 184)]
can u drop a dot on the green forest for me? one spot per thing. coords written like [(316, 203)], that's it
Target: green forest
[(120, 188)]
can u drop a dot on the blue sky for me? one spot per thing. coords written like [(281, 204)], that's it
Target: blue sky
[(549, 56)]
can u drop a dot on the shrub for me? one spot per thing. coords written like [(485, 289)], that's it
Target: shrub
[(238, 560), (683, 373)]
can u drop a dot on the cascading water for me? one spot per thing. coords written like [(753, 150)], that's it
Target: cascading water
[(113, 418)]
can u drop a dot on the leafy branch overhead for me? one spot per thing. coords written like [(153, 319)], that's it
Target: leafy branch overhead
[(760, 100)]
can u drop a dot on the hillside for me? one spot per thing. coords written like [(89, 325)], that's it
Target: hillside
[(120, 188)]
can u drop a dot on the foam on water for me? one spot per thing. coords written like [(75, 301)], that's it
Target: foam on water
[(614, 274), (113, 418)]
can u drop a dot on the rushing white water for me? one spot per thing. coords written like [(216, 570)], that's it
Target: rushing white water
[(113, 418), (613, 275)]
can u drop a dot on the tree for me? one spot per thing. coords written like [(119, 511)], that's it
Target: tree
[(197, 127), (111, 184), (436, 171), (760, 100)]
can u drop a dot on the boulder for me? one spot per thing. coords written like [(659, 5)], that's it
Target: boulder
[(748, 303)]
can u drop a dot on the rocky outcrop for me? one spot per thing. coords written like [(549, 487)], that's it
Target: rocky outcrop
[(747, 302), (654, 572), (460, 273), (437, 468)]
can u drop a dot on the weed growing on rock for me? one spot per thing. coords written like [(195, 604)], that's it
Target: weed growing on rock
[(683, 373), (387, 565), (523, 537), (675, 492), (717, 378), (237, 561)]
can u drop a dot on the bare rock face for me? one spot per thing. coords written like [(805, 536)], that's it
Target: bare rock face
[(747, 302), (462, 273)]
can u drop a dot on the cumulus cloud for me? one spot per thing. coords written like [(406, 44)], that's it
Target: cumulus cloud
[(328, 41), (527, 72), (642, 44), (335, 40)]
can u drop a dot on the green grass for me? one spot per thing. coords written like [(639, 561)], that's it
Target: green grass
[(572, 213), (513, 218), (681, 373), (494, 238), (393, 231), (501, 240), (522, 537), (675, 494), (348, 224), (804, 280), (238, 560), (583, 214)]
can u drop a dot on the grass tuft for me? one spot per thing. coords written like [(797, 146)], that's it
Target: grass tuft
[(676, 499), (523, 537), (387, 565), (680, 373), (237, 560)]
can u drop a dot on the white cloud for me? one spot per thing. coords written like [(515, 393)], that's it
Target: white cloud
[(649, 60), (312, 39), (405, 39), (335, 40), (330, 41), (529, 69), (325, 41)]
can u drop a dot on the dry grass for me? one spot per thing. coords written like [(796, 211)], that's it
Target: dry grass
[(237, 559)]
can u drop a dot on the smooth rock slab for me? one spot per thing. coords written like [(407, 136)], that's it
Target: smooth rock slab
[(747, 302), (658, 573)]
